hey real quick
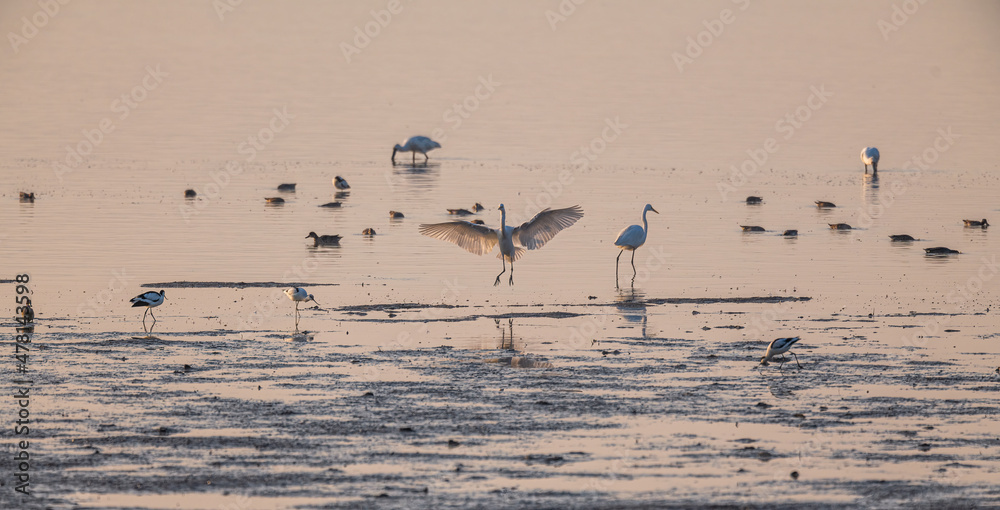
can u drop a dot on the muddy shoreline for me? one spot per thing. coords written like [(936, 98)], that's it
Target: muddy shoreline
[(264, 419)]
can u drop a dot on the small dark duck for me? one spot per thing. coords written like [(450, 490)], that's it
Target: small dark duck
[(323, 240), (940, 250)]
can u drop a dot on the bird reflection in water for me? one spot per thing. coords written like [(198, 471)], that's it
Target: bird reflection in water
[(301, 336), (631, 304), (506, 335), (520, 359), (870, 193), (415, 178)]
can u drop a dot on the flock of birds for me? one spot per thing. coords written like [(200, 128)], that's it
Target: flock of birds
[(869, 156), (475, 237)]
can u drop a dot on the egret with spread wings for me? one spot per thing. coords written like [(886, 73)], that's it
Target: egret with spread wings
[(513, 241)]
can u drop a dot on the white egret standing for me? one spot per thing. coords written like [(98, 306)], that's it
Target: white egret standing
[(513, 241), (416, 144), (631, 238), (869, 156), (150, 300), (298, 294)]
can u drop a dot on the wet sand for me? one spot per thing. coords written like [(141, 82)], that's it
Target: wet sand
[(624, 419)]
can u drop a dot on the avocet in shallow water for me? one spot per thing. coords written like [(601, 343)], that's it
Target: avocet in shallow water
[(149, 300), (416, 144), (780, 346), (298, 294), (513, 241)]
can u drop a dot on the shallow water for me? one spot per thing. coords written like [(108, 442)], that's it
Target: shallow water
[(415, 382)]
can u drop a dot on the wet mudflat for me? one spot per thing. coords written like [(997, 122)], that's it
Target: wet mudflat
[(619, 415)]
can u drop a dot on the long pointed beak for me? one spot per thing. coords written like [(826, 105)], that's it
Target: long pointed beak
[(654, 210)]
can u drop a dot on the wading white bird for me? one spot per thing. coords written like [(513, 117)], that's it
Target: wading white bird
[(340, 183), (416, 144), (513, 241), (149, 300), (298, 294), (780, 346), (632, 237), (869, 156)]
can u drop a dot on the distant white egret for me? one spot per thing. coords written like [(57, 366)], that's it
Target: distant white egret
[(869, 156), (780, 346), (340, 183), (298, 294), (632, 237), (150, 300), (416, 144), (513, 241)]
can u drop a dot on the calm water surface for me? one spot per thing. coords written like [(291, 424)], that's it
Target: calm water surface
[(592, 110)]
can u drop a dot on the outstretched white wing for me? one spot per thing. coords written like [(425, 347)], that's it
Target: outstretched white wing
[(478, 239), (537, 231)]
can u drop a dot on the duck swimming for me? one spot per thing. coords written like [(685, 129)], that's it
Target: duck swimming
[(323, 240)]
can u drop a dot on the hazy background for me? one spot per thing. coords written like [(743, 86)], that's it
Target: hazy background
[(557, 83)]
